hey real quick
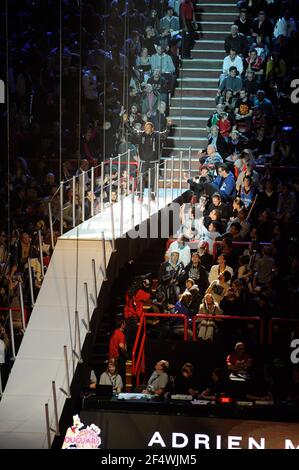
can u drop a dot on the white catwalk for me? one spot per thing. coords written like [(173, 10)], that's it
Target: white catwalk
[(53, 324)]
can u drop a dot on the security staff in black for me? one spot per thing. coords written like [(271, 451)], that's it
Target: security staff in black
[(149, 143)]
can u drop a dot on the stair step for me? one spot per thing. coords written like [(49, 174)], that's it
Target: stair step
[(218, 16), (189, 132), (215, 34), (197, 112), (216, 25), (196, 92), (193, 102), (223, 7), (202, 74)]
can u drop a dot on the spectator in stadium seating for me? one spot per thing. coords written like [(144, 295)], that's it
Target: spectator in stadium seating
[(244, 24), (219, 287), (231, 82), (218, 204), (247, 192), (232, 60), (159, 85), (206, 258), (243, 109), (227, 99), (207, 327), (239, 362), (150, 41), (262, 26), (268, 198), (215, 116), (149, 101), (198, 273), (220, 268), (264, 104), (236, 40), (250, 84), (182, 248), (241, 218), (255, 64), (265, 268), (225, 125), (226, 183), (158, 381), (217, 140), (170, 23), (185, 384), (171, 275), (213, 157)]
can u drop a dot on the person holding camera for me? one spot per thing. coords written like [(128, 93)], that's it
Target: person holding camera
[(136, 296)]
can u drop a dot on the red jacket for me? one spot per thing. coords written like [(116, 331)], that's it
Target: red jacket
[(134, 304), (117, 338)]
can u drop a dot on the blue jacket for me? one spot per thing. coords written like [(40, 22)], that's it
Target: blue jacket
[(227, 186)]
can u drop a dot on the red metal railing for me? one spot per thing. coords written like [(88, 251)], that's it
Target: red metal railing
[(138, 359), (279, 320), (228, 317)]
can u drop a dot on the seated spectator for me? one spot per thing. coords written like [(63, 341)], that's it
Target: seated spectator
[(220, 268), (170, 23), (225, 126), (149, 101), (232, 60), (265, 268), (198, 273), (215, 387), (264, 104), (227, 99), (215, 216), (217, 140), (239, 362), (226, 183), (213, 157), (233, 233), (247, 192), (143, 63), (231, 82), (171, 275), (183, 303), (111, 377), (236, 40), (260, 47), (206, 258), (241, 218), (215, 116), (250, 84), (268, 198), (262, 26), (244, 24), (150, 41), (182, 248), (185, 383), (207, 326), (219, 287), (211, 234), (219, 205), (159, 84), (158, 381), (164, 63), (255, 64), (160, 119)]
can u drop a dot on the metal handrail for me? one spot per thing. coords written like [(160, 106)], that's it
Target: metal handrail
[(228, 317)]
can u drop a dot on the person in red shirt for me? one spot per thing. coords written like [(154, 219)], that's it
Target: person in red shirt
[(136, 296), (117, 345), (189, 24), (118, 348), (240, 361), (224, 125)]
